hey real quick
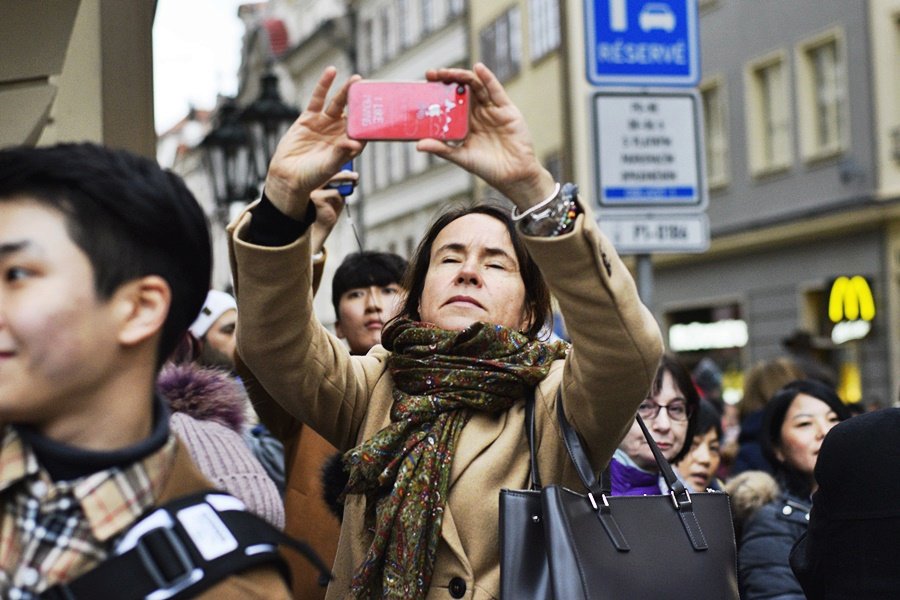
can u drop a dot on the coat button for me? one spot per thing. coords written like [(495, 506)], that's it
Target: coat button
[(457, 587)]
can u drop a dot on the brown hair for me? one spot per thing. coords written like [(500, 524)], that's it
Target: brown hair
[(764, 379), (537, 294)]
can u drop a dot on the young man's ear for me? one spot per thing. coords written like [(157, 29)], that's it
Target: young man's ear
[(339, 331), (142, 306)]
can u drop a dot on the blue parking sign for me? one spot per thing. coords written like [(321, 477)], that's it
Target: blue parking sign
[(642, 42)]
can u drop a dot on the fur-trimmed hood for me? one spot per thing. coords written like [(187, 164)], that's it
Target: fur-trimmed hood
[(204, 393), (750, 491)]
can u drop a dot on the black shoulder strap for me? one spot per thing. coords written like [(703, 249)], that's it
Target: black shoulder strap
[(184, 547)]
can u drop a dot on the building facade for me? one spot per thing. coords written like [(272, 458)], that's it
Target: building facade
[(802, 171)]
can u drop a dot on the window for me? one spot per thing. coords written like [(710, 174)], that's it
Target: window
[(387, 50), (456, 7), (544, 27), (404, 34), (428, 16), (822, 95), (714, 126), (769, 118), (365, 46), (500, 44)]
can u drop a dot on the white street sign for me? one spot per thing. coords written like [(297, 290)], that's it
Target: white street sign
[(646, 234), (649, 151)]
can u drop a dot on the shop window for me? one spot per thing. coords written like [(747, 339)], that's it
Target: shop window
[(715, 332)]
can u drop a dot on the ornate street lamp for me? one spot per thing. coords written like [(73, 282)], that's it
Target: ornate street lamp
[(228, 159), (267, 118)]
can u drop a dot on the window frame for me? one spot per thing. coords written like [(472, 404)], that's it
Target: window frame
[(812, 147), (762, 137), (716, 180)]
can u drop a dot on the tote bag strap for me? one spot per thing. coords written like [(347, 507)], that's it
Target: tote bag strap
[(681, 499), (529, 432), (674, 484)]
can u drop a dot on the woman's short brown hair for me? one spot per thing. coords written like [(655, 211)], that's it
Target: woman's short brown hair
[(537, 294)]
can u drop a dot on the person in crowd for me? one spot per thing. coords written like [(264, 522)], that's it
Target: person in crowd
[(795, 422), (431, 422), (701, 463), (214, 329), (749, 491), (208, 412), (851, 547), (805, 349), (762, 381), (670, 413), (707, 376), (106, 260), (365, 290)]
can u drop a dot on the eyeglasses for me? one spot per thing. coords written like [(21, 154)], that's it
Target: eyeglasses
[(677, 410)]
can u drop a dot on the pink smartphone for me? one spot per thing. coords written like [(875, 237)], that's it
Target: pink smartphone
[(407, 110)]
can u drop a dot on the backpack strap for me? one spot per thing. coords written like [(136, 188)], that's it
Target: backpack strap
[(184, 547)]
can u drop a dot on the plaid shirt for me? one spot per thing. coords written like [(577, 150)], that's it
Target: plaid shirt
[(54, 531)]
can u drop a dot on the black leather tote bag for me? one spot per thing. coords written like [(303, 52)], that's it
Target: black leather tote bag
[(596, 546)]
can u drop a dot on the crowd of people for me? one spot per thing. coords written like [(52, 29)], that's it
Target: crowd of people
[(127, 385)]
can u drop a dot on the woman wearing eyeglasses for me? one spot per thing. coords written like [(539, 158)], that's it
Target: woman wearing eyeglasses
[(670, 415)]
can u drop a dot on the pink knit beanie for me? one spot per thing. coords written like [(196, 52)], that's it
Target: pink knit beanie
[(224, 458)]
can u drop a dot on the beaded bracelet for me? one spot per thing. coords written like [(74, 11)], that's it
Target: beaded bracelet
[(568, 217), (557, 218)]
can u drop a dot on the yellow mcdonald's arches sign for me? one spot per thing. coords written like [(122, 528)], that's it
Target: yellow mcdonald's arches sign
[(851, 300)]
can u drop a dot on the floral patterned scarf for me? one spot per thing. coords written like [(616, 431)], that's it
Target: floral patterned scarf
[(440, 377)]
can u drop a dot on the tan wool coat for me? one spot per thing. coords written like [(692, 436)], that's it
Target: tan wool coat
[(347, 399)]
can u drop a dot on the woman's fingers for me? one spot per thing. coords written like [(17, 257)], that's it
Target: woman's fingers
[(336, 107), (320, 92), (493, 89)]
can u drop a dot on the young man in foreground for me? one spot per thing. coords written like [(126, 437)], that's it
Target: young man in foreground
[(105, 261)]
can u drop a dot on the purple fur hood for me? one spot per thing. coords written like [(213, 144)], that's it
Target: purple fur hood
[(204, 393)]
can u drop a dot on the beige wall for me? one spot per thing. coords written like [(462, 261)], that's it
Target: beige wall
[(77, 71)]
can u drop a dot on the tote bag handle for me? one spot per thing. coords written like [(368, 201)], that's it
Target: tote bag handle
[(597, 495)]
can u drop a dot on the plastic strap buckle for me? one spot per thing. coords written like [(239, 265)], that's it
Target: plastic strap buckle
[(167, 586)]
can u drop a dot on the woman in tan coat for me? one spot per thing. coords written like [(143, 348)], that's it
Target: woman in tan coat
[(432, 422)]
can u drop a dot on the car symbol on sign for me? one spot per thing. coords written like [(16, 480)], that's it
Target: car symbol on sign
[(656, 15)]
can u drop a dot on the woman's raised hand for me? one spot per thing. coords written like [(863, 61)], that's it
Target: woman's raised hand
[(312, 150), (498, 148)]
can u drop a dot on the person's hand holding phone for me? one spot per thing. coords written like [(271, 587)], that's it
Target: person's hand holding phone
[(498, 148), (329, 201), (312, 150)]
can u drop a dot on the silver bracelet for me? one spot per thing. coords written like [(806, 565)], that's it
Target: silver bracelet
[(516, 217)]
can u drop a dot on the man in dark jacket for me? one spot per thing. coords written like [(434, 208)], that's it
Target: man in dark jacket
[(106, 261)]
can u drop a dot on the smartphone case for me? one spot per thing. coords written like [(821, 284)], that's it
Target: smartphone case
[(401, 110)]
